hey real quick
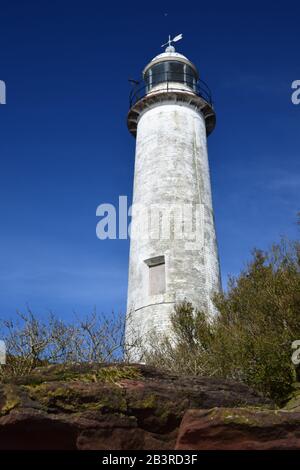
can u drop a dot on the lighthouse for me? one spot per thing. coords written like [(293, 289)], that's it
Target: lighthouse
[(173, 247)]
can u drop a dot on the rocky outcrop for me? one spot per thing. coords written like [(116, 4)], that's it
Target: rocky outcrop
[(239, 429), (111, 407), (293, 403)]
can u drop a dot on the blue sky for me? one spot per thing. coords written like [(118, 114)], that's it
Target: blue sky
[(65, 148)]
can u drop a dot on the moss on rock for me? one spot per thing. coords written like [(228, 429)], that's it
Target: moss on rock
[(293, 402), (10, 399)]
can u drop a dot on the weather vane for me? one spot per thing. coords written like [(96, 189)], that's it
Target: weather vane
[(175, 39)]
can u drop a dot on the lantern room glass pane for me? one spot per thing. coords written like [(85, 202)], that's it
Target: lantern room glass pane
[(170, 71), (190, 77), (176, 71)]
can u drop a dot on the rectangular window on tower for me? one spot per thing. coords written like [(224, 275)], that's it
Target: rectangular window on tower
[(157, 275)]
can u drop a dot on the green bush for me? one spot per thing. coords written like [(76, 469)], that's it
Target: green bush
[(250, 338)]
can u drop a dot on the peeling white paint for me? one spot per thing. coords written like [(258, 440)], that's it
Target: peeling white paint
[(171, 167)]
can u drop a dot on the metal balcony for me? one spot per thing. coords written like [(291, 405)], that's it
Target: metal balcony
[(170, 81)]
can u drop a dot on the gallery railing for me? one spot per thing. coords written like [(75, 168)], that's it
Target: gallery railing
[(168, 81)]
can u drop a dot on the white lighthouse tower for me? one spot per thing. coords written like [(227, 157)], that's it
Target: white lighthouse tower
[(173, 248)]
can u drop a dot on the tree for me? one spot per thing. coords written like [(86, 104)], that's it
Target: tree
[(250, 338)]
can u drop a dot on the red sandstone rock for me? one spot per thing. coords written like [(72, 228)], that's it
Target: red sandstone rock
[(92, 406), (239, 429)]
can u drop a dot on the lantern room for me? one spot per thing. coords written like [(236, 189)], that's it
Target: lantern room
[(170, 66)]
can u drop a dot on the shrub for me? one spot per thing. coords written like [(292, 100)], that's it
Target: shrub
[(250, 338), (31, 341)]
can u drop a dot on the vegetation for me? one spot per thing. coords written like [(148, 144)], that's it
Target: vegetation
[(250, 338), (32, 342)]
